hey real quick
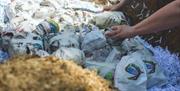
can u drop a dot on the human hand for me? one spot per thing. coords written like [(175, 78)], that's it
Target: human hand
[(116, 7), (111, 8), (121, 31), (107, 8)]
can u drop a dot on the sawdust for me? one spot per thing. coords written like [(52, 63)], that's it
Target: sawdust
[(48, 74)]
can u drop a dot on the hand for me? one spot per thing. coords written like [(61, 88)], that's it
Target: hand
[(107, 8), (111, 8), (116, 7), (121, 31)]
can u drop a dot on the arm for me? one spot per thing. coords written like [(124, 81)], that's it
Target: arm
[(165, 18)]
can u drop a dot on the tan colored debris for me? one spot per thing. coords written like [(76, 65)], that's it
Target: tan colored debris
[(48, 74)]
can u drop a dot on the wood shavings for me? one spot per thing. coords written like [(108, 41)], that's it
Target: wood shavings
[(48, 74)]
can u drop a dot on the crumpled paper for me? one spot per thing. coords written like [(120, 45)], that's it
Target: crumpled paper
[(170, 64), (25, 43), (5, 12), (138, 72), (3, 56), (46, 27), (109, 19), (92, 41), (73, 54), (73, 16), (63, 39)]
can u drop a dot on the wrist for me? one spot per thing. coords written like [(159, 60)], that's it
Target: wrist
[(129, 32), (140, 29), (134, 31)]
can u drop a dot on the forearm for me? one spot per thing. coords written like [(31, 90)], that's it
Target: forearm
[(165, 18)]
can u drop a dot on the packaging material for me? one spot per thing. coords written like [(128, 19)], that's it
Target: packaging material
[(87, 6), (44, 12), (3, 56), (16, 21), (8, 14), (41, 53), (25, 43), (50, 73), (64, 39), (138, 72), (109, 19), (25, 26), (1, 41), (5, 39), (46, 27), (105, 63), (92, 41), (170, 63), (104, 69), (5, 12), (110, 41), (79, 23), (132, 45), (114, 1), (99, 55), (73, 54)]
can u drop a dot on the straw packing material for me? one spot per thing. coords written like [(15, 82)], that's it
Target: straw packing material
[(48, 74)]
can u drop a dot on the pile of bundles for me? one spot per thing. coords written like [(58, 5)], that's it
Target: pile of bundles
[(72, 30)]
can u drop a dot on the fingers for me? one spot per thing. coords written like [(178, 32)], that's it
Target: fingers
[(113, 32), (118, 29), (116, 37), (110, 34), (106, 9), (114, 28)]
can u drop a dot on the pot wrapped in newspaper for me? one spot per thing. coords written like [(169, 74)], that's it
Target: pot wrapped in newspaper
[(108, 19)]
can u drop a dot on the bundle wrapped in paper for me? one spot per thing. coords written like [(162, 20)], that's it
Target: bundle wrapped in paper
[(92, 41), (73, 54), (25, 43), (109, 19), (64, 39), (138, 70)]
